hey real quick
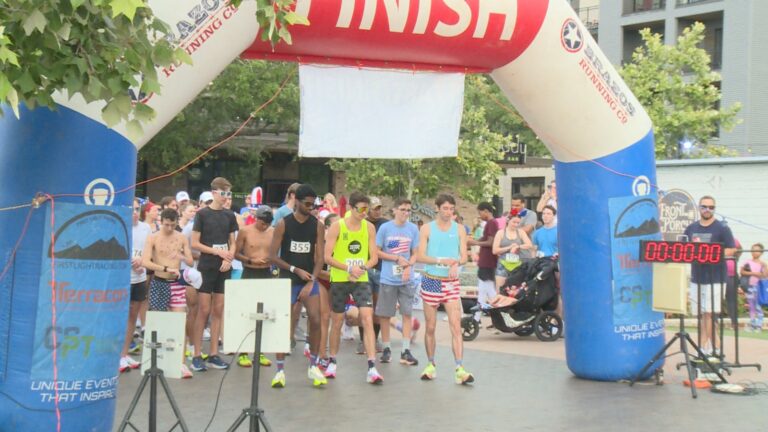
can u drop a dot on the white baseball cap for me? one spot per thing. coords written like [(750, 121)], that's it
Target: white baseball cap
[(182, 196), (192, 277), (206, 196)]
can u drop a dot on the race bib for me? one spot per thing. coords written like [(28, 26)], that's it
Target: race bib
[(441, 265), (397, 270), (355, 262), (300, 247), (220, 246), (137, 253), (511, 257)]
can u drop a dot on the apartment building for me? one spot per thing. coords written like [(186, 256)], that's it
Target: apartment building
[(735, 40)]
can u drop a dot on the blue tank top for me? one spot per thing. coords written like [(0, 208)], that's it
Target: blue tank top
[(442, 244)]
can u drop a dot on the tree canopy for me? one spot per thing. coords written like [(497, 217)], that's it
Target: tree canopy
[(676, 85), (100, 49), (103, 50)]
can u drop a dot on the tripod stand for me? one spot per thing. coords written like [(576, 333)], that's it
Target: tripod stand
[(253, 412), (730, 296), (152, 375), (684, 339)]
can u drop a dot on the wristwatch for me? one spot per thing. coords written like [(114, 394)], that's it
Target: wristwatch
[(165, 269), (292, 268), (364, 267)]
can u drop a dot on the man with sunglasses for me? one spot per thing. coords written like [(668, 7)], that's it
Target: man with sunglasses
[(707, 280), (397, 241), (297, 249), (351, 250), (213, 234)]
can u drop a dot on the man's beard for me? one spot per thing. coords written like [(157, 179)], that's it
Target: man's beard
[(707, 216)]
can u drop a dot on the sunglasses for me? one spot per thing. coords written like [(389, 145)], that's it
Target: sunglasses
[(361, 209), (225, 194), (704, 207)]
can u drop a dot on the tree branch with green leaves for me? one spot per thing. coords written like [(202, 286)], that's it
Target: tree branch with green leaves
[(677, 87)]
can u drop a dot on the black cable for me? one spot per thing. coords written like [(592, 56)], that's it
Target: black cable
[(221, 384)]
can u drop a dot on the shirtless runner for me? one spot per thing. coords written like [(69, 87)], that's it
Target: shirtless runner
[(163, 253), (252, 249)]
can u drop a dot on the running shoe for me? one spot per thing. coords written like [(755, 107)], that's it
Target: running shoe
[(330, 371), (198, 364), (316, 375), (360, 348), (216, 362), (185, 372), (244, 361), (463, 377), (323, 364), (133, 364), (374, 377), (307, 353), (386, 356), (279, 380), (429, 373), (135, 348), (407, 358), (204, 355), (124, 364), (264, 361)]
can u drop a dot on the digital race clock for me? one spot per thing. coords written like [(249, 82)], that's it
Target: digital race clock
[(661, 251)]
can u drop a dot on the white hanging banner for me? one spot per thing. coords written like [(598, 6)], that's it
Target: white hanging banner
[(381, 114)]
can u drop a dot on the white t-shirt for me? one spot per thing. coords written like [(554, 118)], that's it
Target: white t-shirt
[(186, 230), (140, 233)]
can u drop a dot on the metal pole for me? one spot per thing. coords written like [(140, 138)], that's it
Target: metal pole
[(153, 386), (255, 379)]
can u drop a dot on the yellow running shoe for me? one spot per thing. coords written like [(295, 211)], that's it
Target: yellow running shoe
[(463, 377), (264, 361), (279, 380), (244, 361), (429, 372), (316, 375)]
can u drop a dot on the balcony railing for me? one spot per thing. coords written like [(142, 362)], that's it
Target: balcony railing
[(687, 2), (590, 16)]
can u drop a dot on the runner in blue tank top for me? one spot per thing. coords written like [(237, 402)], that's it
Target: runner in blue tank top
[(443, 248)]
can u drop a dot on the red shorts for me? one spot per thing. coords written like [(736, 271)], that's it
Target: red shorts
[(436, 291)]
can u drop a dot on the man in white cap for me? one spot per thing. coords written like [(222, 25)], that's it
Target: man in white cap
[(206, 198), (182, 197)]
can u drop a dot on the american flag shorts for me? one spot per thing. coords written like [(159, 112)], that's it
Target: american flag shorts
[(436, 291)]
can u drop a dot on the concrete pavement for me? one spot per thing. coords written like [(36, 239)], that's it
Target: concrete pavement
[(521, 384)]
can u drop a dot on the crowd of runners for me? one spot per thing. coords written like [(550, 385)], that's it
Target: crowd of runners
[(348, 266)]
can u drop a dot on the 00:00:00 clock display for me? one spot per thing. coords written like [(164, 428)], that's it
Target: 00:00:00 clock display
[(681, 252)]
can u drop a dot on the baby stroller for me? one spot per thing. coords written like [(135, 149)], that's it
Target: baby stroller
[(534, 287)]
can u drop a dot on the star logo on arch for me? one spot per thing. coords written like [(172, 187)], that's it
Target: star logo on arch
[(571, 36)]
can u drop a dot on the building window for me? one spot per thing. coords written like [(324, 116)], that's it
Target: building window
[(717, 49), (530, 187)]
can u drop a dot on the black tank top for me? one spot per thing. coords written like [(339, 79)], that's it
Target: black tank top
[(298, 246)]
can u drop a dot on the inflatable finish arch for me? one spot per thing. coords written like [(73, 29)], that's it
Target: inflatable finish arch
[(537, 51)]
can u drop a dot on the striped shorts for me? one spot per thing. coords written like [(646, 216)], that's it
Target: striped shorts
[(436, 291)]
